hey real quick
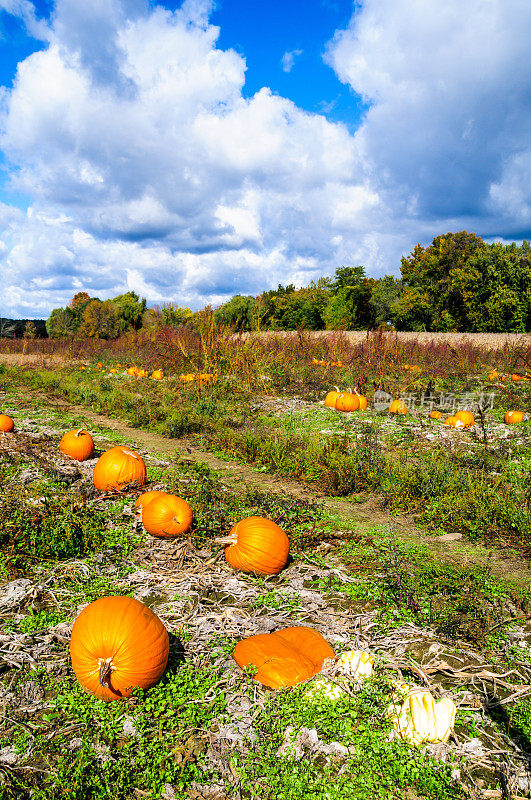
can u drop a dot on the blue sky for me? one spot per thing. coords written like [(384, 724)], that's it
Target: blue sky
[(195, 151)]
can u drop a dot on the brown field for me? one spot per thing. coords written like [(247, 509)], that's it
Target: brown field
[(491, 341)]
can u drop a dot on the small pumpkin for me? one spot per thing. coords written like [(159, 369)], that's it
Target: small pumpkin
[(493, 375), (256, 544), (99, 365), (515, 377), (118, 644), (435, 414), (77, 444), (284, 658), (515, 417), (117, 468), (166, 515), (347, 401), (450, 421), (157, 375), (398, 407), (466, 417), (6, 423)]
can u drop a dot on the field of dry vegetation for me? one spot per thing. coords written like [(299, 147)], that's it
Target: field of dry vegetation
[(409, 540)]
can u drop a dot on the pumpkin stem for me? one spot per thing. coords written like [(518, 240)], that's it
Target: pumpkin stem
[(232, 538), (104, 674)]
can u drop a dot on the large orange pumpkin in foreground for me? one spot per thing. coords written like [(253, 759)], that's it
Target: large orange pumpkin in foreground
[(256, 544), (166, 515), (118, 644), (514, 417), (6, 423), (284, 658), (117, 468), (77, 444)]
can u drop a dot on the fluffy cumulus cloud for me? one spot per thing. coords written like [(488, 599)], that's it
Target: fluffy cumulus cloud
[(449, 123), (149, 170)]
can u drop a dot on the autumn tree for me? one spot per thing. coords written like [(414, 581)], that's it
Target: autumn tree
[(102, 320)]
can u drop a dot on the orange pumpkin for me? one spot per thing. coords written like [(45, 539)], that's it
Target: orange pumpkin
[(514, 417), (398, 407), (435, 414), (117, 468), (331, 397), (493, 375), (117, 644), (77, 444), (6, 423), (256, 544), (144, 499), (450, 421), (516, 377), (363, 402), (284, 658), (466, 417), (166, 515), (157, 375), (347, 401)]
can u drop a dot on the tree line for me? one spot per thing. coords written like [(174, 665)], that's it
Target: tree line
[(457, 283)]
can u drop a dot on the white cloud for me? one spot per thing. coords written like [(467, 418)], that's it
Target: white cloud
[(288, 59), (150, 170), (449, 83)]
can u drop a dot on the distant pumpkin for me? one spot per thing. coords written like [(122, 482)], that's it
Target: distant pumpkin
[(515, 417), (398, 407), (118, 468), (77, 444), (6, 424), (347, 401), (331, 397), (466, 417), (435, 414), (493, 375), (157, 375)]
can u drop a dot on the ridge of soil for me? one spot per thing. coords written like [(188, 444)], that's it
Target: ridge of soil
[(452, 548)]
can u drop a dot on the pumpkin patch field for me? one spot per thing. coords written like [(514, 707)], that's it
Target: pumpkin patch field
[(282, 577)]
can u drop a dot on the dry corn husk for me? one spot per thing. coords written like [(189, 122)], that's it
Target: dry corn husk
[(419, 719), (356, 663)]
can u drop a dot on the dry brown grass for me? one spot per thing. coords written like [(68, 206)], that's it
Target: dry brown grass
[(490, 341)]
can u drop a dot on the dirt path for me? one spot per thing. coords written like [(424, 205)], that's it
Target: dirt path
[(452, 548)]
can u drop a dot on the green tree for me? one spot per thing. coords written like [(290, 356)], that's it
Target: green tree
[(175, 316), (350, 305), (61, 322), (386, 292), (428, 276), (130, 308), (238, 312)]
